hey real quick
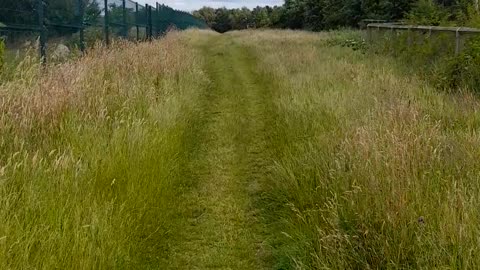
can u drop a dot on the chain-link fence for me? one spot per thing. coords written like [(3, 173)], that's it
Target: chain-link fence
[(59, 28)]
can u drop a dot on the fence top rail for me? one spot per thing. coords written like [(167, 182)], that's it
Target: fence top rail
[(367, 21), (424, 28), (20, 28)]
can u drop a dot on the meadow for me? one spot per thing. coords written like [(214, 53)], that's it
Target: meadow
[(248, 150)]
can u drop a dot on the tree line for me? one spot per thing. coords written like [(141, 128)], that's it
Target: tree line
[(330, 14)]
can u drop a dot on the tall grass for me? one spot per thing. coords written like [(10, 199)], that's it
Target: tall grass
[(432, 57), (93, 153), (370, 168), (367, 167)]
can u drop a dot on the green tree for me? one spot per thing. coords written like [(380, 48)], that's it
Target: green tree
[(92, 12), (294, 15), (222, 22), (427, 12), (260, 17), (241, 18), (207, 14), (275, 15), (18, 12)]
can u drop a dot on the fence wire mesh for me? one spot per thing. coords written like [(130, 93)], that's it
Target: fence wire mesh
[(439, 41), (59, 28)]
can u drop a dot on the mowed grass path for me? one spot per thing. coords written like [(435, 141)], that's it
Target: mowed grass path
[(220, 225)]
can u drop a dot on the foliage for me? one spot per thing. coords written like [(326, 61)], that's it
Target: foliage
[(427, 12), (319, 15), (92, 13), (462, 71), (431, 57), (305, 14), (18, 11), (348, 39), (223, 19), (469, 16)]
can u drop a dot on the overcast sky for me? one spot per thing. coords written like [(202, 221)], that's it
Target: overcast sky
[(189, 5)]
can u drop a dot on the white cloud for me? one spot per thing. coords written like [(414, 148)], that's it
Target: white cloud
[(189, 5)]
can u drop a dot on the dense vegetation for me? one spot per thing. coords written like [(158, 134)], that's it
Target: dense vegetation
[(93, 154), (370, 168), (250, 150), (433, 55), (329, 14), (259, 149), (430, 57)]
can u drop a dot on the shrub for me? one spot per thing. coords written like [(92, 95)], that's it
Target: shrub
[(426, 12), (433, 59), (422, 50), (462, 71), (468, 16), (349, 39)]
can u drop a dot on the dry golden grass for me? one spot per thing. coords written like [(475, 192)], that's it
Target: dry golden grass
[(91, 155), (371, 168)]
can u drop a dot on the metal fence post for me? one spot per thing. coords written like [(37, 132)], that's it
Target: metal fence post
[(157, 21), (409, 36), (43, 31), (147, 29), (136, 21), (457, 41), (392, 37), (124, 19), (369, 34), (106, 24), (81, 25), (150, 25)]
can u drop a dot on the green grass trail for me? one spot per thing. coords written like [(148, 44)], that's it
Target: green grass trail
[(220, 225)]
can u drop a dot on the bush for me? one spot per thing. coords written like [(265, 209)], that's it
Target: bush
[(462, 71), (431, 55), (349, 39), (427, 12), (421, 50), (433, 58)]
